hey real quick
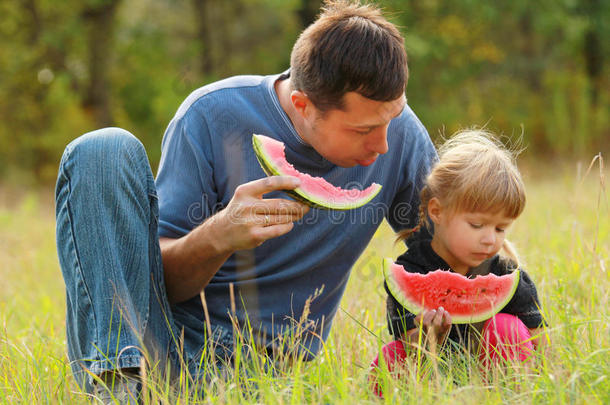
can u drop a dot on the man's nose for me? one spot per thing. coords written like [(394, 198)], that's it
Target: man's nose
[(378, 141)]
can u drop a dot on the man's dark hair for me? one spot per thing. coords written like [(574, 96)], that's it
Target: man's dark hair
[(350, 47)]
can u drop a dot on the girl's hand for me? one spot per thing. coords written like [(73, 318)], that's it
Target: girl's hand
[(436, 324)]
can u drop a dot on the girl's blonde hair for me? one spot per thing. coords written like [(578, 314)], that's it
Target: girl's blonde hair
[(475, 173)]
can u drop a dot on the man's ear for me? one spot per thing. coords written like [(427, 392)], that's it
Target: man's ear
[(435, 210), (301, 103)]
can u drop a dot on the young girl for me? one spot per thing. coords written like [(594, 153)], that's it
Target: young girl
[(472, 195)]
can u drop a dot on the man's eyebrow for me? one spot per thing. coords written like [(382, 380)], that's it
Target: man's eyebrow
[(378, 125)]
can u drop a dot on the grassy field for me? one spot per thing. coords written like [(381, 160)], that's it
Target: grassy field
[(562, 237)]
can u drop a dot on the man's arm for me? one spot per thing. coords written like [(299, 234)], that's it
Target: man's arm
[(190, 262)]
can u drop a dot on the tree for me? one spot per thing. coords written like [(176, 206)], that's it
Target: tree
[(99, 17), (308, 11), (203, 23)]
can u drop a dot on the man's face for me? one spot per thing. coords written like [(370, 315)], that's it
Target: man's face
[(355, 135)]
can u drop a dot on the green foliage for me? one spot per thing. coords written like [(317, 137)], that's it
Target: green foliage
[(508, 65), (537, 68)]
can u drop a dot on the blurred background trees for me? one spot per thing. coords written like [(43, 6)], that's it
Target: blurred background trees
[(537, 68)]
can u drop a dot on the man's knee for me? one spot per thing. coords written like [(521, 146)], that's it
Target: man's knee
[(99, 159), (109, 142), (103, 150)]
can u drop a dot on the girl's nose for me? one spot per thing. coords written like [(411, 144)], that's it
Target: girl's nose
[(488, 238)]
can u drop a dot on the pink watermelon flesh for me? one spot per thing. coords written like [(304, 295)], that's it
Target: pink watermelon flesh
[(315, 190), (467, 300)]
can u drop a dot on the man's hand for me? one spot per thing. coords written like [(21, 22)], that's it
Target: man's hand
[(190, 262), (435, 323), (249, 219)]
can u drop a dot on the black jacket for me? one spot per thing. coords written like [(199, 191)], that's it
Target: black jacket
[(421, 258)]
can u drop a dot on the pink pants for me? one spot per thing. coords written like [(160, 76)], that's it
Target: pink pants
[(503, 337)]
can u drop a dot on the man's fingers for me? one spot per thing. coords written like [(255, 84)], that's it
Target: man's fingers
[(257, 188), (273, 231), (269, 220), (274, 206)]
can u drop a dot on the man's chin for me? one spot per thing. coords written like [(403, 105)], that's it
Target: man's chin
[(352, 163), (346, 164)]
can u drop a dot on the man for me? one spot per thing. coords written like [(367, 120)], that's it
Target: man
[(223, 227)]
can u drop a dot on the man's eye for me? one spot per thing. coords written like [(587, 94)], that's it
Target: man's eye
[(365, 132)]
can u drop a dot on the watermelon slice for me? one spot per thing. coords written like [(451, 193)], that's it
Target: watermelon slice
[(313, 191), (467, 300)]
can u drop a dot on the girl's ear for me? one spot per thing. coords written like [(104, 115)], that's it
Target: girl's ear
[(435, 210)]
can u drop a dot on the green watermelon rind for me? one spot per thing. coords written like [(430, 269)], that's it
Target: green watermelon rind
[(270, 172), (416, 308), (300, 195)]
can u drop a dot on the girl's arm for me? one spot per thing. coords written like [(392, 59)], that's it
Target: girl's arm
[(524, 303), (435, 325), (538, 339)]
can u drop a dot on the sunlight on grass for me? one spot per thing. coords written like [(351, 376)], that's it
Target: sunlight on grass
[(562, 238)]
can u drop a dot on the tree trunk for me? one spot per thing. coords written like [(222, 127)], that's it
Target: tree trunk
[(593, 54), (202, 19), (531, 65), (35, 23), (100, 21), (308, 11)]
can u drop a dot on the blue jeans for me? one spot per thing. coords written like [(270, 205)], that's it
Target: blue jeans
[(108, 247)]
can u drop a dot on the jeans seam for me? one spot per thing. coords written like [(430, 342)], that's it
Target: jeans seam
[(141, 161)]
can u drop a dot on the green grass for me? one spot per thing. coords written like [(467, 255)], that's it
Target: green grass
[(562, 238)]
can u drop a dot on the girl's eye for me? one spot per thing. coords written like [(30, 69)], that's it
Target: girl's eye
[(501, 230), (476, 226)]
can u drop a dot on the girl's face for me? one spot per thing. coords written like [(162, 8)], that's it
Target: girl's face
[(466, 239)]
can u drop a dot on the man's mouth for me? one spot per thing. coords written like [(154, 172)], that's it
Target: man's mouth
[(366, 162)]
